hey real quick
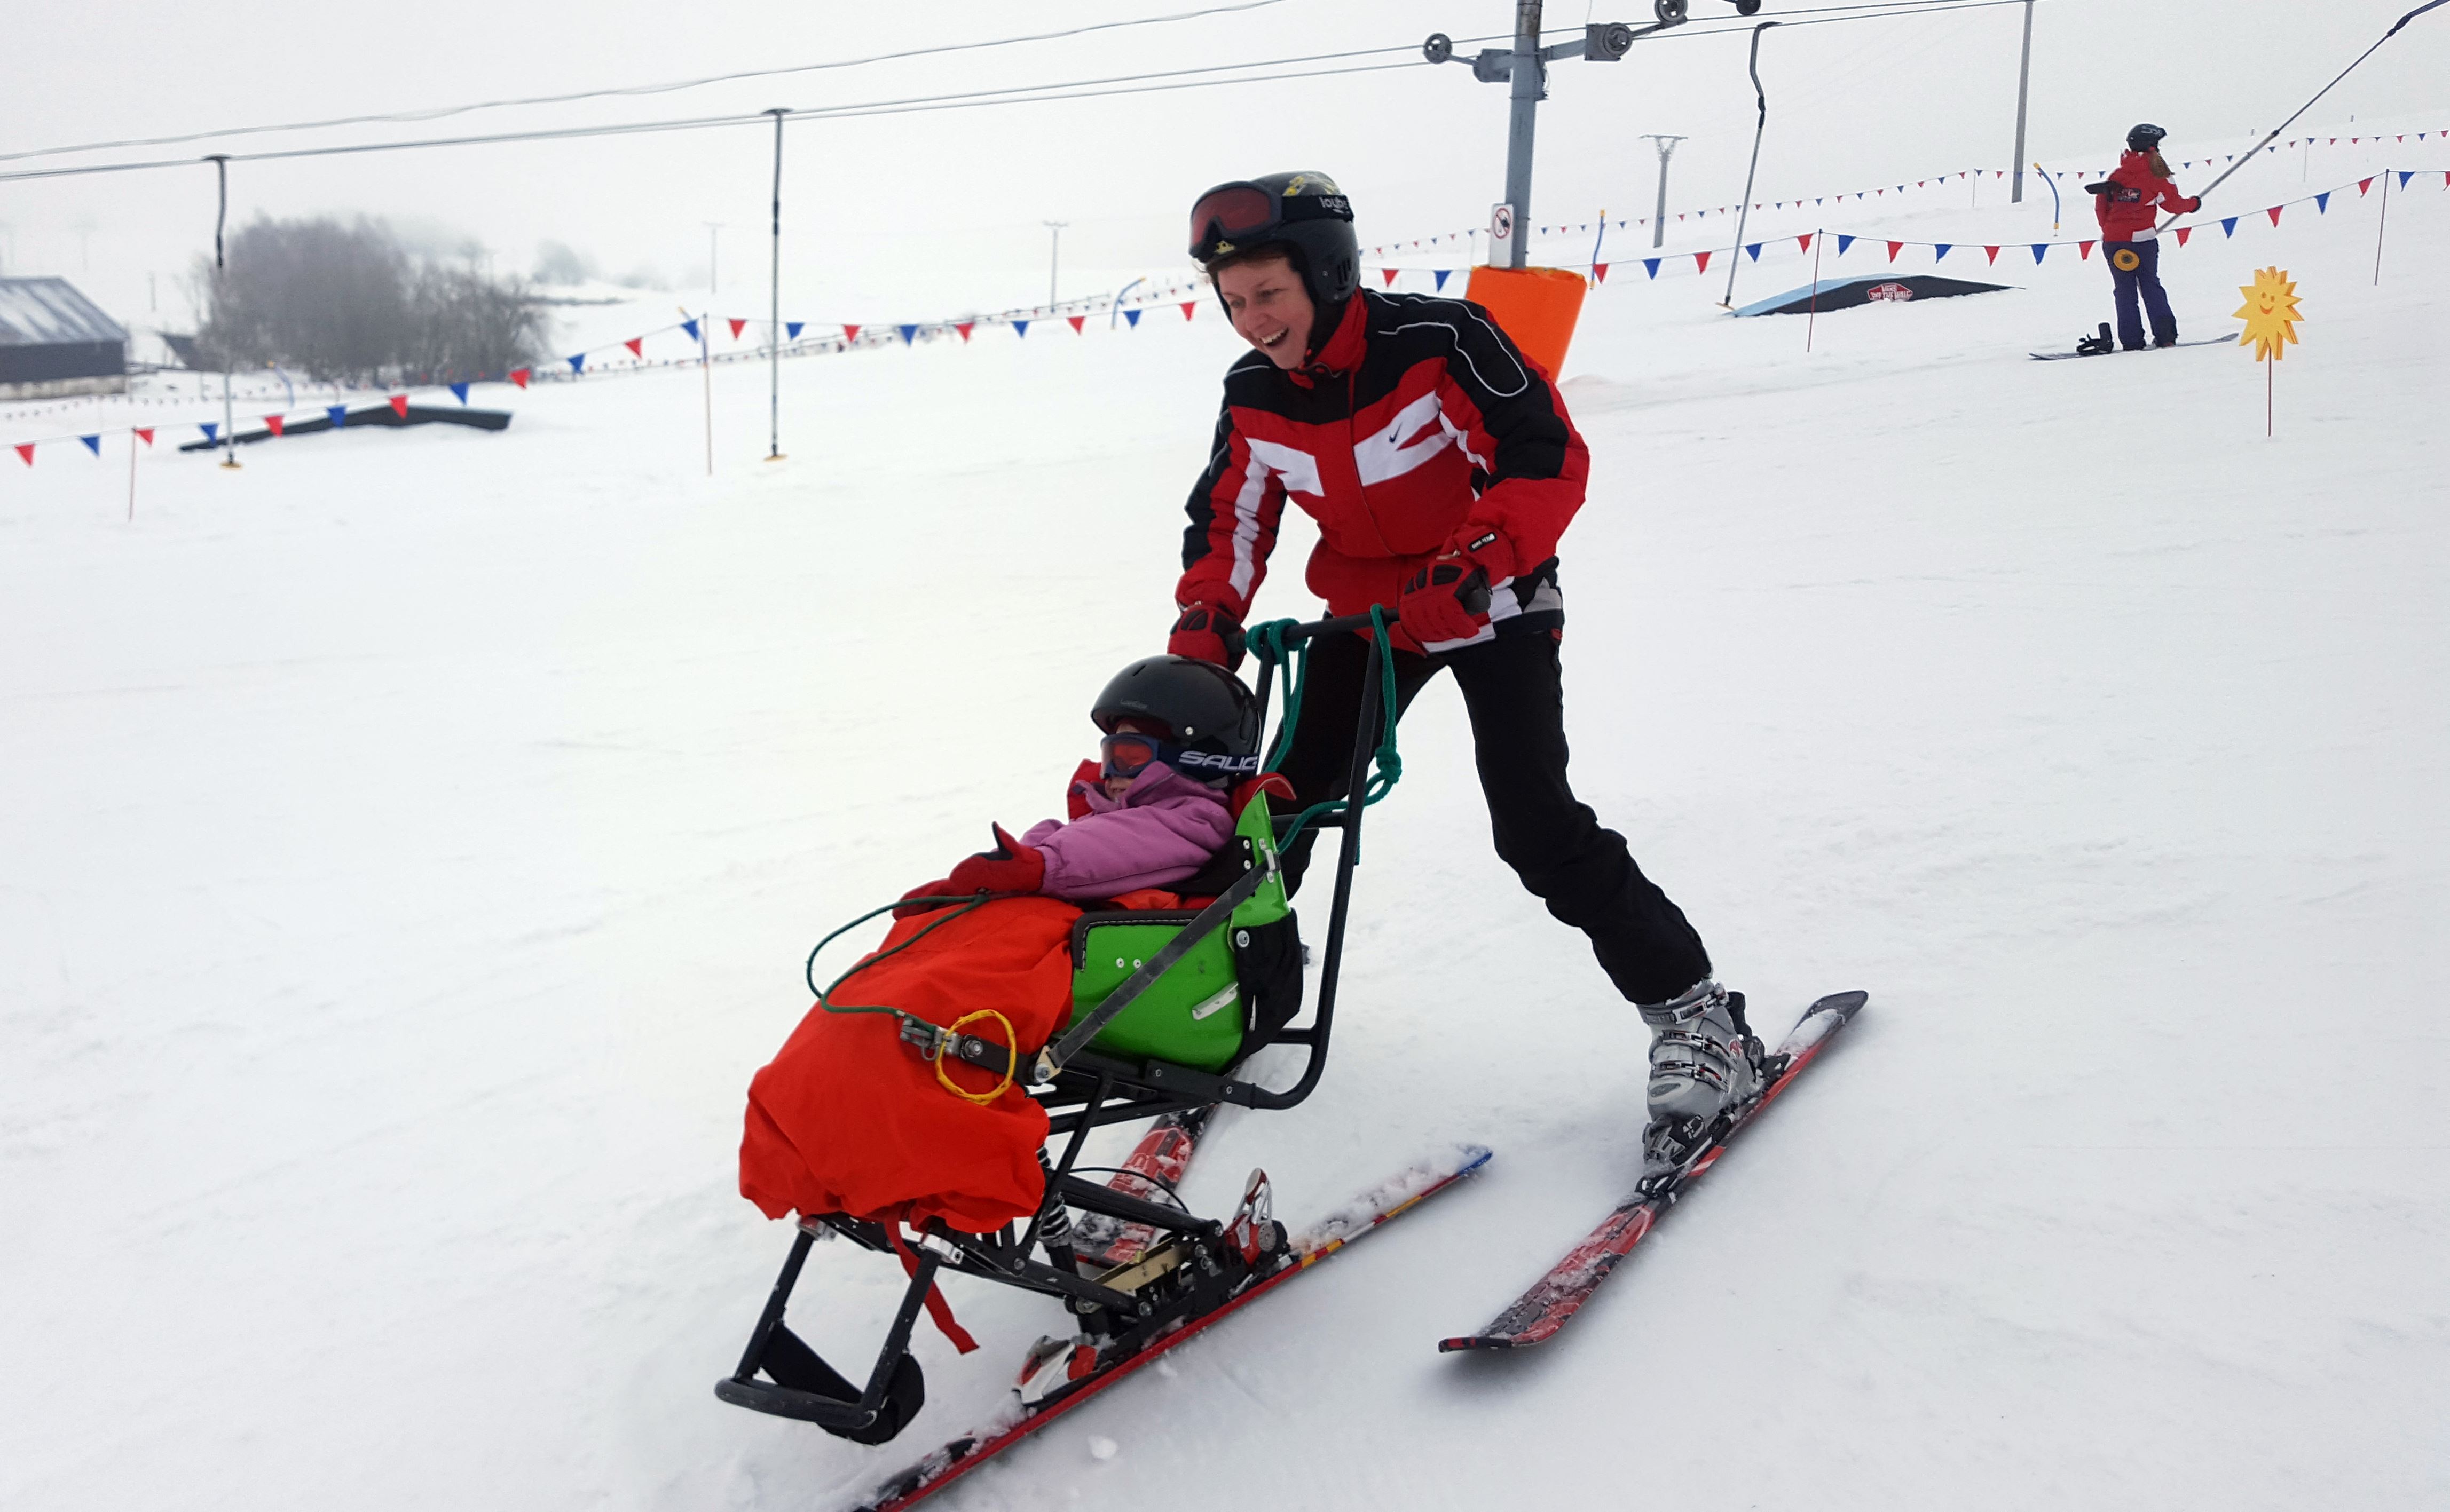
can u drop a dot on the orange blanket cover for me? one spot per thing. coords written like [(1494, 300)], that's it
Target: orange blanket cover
[(848, 1119)]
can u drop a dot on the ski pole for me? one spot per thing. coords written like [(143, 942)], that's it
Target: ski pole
[(2249, 156)]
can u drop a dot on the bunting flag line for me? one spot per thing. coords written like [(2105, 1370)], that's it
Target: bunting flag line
[(459, 392), (399, 405), (93, 443), (274, 423), (338, 415)]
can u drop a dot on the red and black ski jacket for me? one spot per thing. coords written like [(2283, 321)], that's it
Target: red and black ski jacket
[(1418, 423), (2130, 202)]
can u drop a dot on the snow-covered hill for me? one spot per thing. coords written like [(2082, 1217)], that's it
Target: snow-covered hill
[(408, 843)]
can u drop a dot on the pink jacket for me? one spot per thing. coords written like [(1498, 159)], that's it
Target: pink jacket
[(1162, 829)]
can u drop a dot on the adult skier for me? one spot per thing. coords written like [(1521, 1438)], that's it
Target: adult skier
[(2129, 205), (1441, 469)]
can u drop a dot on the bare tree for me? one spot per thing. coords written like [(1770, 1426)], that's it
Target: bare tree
[(348, 302)]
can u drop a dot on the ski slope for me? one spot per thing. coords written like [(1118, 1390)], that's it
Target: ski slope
[(408, 844)]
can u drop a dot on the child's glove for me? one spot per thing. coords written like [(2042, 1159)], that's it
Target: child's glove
[(1011, 867), (907, 909), (1209, 633), (1448, 600)]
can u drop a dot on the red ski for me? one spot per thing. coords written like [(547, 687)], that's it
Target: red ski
[(1397, 1195), (1557, 1296)]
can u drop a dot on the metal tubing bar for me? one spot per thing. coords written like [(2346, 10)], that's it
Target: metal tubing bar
[(2024, 92), (1744, 208), (1071, 1155), (897, 1339), (1523, 114), (775, 1302)]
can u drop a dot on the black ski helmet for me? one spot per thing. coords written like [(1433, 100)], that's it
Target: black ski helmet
[(2144, 138), (1204, 708), (1304, 213)]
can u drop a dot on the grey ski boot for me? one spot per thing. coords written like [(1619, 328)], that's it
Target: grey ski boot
[(1705, 1066)]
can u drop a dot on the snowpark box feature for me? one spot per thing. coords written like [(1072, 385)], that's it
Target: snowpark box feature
[(1874, 288)]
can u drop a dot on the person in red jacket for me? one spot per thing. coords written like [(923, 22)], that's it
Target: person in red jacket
[(1442, 470), (2129, 204)]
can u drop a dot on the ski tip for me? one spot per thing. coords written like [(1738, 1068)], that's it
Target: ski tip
[(1469, 1342), (1848, 1003)]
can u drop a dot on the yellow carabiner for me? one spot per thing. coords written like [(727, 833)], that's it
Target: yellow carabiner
[(1012, 1059)]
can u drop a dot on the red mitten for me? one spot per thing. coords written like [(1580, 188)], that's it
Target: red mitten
[(1011, 867), (1209, 633), (1076, 793), (1448, 600), (908, 909)]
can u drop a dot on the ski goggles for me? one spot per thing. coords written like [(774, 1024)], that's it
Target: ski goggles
[(1233, 215), (1129, 753)]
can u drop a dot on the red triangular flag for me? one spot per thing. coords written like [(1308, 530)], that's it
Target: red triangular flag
[(1599, 273), (1188, 306), (964, 326), (1893, 250), (25, 450), (851, 333), (2275, 213), (146, 433), (1702, 261), (520, 377), (1993, 253), (637, 345), (2184, 232), (399, 405), (2363, 184), (2084, 251), (735, 328), (274, 423), (1078, 320), (1803, 242), (1389, 274)]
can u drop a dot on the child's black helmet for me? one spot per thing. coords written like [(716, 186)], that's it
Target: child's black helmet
[(1203, 708), (2144, 138), (1304, 213)]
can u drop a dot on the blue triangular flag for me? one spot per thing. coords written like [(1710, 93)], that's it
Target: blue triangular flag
[(1753, 251), (93, 443), (2404, 177), (459, 392), (2040, 249), (1652, 263), (1845, 241), (1943, 251), (690, 326), (1442, 276), (1132, 316), (2323, 203), (2228, 227), (576, 361), (340, 414), (909, 334), (212, 431), (792, 329), (1020, 328)]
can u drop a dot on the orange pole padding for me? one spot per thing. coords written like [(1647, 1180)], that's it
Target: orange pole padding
[(1536, 306)]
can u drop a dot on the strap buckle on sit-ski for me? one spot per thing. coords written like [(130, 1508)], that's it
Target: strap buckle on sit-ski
[(935, 1043)]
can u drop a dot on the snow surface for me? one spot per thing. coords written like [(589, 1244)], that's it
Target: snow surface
[(409, 842)]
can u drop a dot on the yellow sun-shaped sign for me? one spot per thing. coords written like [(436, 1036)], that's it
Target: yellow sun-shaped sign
[(2271, 313)]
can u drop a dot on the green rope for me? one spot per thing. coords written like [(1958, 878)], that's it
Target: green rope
[(1267, 642), (824, 995)]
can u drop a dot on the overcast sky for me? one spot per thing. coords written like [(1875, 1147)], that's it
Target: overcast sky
[(878, 208)]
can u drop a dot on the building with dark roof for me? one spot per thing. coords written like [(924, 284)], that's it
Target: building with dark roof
[(53, 341)]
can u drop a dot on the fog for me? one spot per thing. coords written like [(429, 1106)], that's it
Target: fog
[(927, 213)]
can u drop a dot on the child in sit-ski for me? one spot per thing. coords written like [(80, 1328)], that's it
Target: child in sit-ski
[(1178, 735)]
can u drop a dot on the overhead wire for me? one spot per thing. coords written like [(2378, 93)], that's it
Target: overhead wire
[(1011, 94), (439, 112)]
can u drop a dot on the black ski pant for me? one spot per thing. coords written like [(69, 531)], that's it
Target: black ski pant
[(2136, 269), (1514, 695)]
